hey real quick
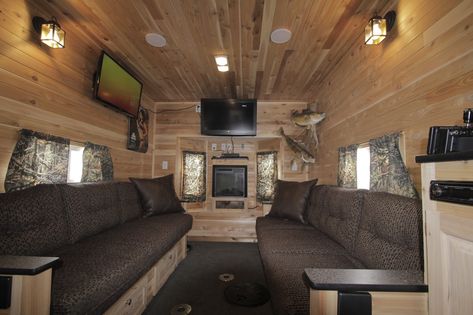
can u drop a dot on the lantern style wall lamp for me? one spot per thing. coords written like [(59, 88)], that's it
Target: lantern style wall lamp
[(222, 63), (378, 28), (51, 33)]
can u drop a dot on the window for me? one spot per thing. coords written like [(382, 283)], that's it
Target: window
[(363, 167), (194, 168), (74, 173), (376, 165), (266, 176)]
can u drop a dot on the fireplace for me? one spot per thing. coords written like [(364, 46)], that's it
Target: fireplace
[(229, 181)]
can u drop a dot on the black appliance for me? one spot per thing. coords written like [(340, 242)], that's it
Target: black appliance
[(452, 191), (445, 139), (228, 117), (229, 181), (115, 87)]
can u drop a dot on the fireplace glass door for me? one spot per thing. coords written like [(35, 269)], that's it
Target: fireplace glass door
[(229, 181)]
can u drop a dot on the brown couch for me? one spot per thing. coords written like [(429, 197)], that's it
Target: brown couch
[(98, 232), (344, 229)]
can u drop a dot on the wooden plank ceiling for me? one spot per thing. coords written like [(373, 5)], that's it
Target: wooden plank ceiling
[(322, 30)]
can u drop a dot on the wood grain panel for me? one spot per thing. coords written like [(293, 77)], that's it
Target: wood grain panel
[(421, 76), (197, 31), (178, 129), (51, 91)]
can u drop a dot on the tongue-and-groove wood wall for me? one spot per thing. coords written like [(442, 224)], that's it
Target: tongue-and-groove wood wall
[(421, 76), (50, 91)]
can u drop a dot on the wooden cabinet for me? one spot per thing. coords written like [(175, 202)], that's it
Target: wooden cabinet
[(448, 243)]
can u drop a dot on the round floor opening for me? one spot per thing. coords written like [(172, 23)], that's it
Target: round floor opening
[(181, 309), (247, 294), (226, 277)]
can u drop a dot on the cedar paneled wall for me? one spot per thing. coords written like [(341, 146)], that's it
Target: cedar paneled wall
[(176, 131), (50, 90), (422, 75)]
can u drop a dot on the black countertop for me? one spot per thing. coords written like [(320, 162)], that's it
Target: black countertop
[(446, 157), (26, 265), (365, 280)]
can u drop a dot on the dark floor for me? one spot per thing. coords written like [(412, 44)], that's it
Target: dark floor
[(196, 282)]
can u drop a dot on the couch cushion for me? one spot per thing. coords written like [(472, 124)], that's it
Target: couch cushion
[(158, 195), (390, 235), (98, 270), (290, 200), (284, 275), (32, 221), (90, 208), (129, 200), (336, 211), (270, 223)]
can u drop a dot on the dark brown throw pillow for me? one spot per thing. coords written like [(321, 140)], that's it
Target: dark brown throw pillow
[(290, 200), (158, 195)]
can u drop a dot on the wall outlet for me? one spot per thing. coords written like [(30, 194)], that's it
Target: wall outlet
[(197, 108), (223, 146), (165, 165), (242, 146), (214, 146), (294, 166)]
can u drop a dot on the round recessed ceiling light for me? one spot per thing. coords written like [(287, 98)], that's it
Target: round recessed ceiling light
[(155, 40), (281, 35)]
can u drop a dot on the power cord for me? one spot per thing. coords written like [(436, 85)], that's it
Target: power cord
[(172, 110)]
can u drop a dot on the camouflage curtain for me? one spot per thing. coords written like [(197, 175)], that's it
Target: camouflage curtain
[(97, 163), (388, 172), (38, 158), (347, 166), (194, 176), (266, 175)]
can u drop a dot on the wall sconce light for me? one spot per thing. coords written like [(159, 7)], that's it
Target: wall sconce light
[(378, 28), (51, 33), (222, 63)]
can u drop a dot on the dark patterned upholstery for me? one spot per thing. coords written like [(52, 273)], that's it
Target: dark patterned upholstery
[(130, 203), (295, 241), (289, 294), (347, 229), (336, 212), (90, 208), (32, 221), (269, 223), (99, 269), (390, 235)]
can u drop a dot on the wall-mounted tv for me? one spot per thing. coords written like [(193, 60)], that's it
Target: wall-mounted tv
[(228, 117), (116, 87)]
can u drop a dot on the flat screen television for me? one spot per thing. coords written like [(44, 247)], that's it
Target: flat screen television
[(116, 87), (228, 117)]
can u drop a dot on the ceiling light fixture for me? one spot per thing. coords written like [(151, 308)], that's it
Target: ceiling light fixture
[(378, 28), (155, 40), (281, 35), (222, 63), (50, 32)]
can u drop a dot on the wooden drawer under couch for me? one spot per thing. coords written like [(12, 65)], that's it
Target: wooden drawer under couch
[(135, 300)]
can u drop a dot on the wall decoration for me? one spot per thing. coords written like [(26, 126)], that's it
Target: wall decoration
[(38, 158), (266, 175), (194, 171), (306, 143), (138, 130)]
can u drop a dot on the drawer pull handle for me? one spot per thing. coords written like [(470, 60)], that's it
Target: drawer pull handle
[(129, 301)]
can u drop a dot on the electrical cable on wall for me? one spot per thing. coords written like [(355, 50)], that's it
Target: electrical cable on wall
[(172, 110)]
